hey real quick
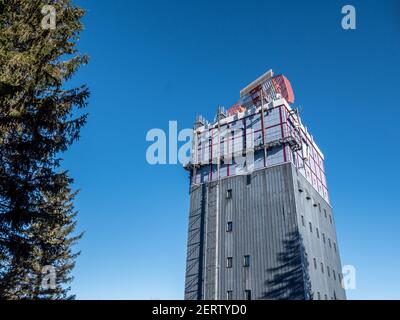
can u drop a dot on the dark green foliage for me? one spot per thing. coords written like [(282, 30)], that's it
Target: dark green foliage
[(39, 119)]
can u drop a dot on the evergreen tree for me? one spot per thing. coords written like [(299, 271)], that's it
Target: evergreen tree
[(39, 119)]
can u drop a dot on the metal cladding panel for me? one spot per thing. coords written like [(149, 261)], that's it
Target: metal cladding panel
[(319, 225), (265, 209), (262, 211)]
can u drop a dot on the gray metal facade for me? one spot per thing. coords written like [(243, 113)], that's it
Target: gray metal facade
[(283, 226)]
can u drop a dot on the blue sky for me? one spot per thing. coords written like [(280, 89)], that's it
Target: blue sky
[(156, 61)]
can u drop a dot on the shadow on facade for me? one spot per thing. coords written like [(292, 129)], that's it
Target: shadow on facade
[(290, 280)]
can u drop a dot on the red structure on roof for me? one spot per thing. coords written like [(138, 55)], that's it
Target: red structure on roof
[(282, 85), (270, 85)]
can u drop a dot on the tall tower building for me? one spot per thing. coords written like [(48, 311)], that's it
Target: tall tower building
[(260, 221)]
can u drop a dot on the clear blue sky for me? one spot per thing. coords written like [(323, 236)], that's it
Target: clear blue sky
[(156, 61)]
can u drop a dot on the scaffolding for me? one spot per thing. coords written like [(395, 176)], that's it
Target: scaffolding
[(278, 133)]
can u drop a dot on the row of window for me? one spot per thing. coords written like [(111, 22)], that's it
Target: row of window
[(229, 196), (318, 234), (328, 270), (247, 295), (308, 197), (326, 296), (246, 261)]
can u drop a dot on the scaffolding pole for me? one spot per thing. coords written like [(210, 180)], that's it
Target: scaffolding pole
[(194, 146), (263, 127), (217, 205)]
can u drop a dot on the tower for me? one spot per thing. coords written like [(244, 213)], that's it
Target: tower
[(260, 220)]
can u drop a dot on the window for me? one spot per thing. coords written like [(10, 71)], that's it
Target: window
[(300, 187), (229, 193), (310, 224), (247, 294), (334, 246), (248, 179), (229, 226), (319, 207), (229, 295), (325, 213), (315, 263), (323, 237), (334, 274), (328, 270), (246, 261), (326, 297), (317, 232), (319, 295), (322, 267), (330, 219), (302, 221), (329, 241), (229, 262)]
